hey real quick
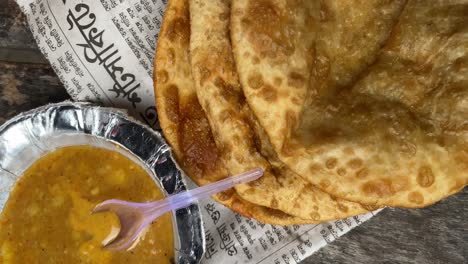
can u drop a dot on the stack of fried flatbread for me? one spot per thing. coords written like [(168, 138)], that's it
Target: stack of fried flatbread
[(346, 105)]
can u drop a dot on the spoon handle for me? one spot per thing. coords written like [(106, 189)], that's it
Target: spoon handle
[(184, 199)]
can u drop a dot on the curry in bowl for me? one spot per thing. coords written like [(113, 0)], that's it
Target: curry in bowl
[(47, 217)]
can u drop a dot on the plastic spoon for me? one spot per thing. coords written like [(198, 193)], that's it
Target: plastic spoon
[(134, 217)]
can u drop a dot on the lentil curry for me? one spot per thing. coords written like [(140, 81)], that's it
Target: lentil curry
[(47, 218)]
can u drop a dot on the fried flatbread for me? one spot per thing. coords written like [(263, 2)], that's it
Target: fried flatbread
[(350, 34), (399, 136), (234, 127), (183, 121)]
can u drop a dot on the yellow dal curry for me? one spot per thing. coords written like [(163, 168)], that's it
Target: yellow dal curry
[(47, 218)]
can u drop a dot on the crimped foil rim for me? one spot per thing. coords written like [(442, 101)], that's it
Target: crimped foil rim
[(34, 133)]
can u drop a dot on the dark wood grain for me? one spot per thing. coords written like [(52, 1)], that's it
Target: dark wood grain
[(16, 41), (26, 86), (437, 234)]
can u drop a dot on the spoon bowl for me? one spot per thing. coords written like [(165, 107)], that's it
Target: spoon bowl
[(135, 217)]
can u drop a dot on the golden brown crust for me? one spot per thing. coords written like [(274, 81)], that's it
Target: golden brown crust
[(349, 37), (183, 121), (399, 136), (219, 92)]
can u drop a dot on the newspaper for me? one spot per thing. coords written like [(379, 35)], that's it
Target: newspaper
[(103, 51)]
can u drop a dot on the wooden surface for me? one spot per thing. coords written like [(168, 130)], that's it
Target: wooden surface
[(26, 79), (437, 234)]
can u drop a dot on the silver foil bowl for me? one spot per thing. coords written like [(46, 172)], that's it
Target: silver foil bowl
[(31, 135)]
